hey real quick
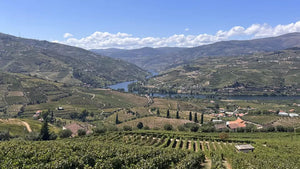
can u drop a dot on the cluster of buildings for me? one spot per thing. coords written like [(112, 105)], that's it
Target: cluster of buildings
[(285, 114)]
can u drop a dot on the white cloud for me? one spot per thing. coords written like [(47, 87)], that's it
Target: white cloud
[(186, 29), (101, 40), (67, 35)]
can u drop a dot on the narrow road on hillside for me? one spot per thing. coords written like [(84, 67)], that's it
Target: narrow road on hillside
[(27, 126)]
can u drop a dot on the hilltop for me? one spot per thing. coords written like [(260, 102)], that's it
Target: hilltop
[(67, 64)]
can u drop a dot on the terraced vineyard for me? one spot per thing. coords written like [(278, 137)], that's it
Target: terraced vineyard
[(152, 149), (214, 151), (93, 152)]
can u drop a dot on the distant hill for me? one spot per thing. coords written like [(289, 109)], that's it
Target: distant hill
[(63, 63), (164, 58), (272, 73), (154, 59)]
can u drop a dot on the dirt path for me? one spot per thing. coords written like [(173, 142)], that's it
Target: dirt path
[(17, 122), (93, 96), (27, 126)]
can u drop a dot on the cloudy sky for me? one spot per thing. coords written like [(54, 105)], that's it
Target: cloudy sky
[(128, 24)]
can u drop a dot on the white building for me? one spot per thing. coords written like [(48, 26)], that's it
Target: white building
[(294, 115), (282, 113)]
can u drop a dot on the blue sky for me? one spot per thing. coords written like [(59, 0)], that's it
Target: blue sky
[(139, 19)]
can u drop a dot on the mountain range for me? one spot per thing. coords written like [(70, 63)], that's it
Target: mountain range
[(67, 64), (160, 59)]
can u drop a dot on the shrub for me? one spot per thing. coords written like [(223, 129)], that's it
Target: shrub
[(194, 128), (140, 125), (99, 130), (4, 135), (127, 128), (168, 127), (280, 129), (146, 128), (65, 133), (52, 136), (181, 128), (33, 136), (290, 129), (81, 132), (112, 128), (224, 136)]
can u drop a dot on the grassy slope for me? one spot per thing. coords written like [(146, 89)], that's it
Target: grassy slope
[(17, 128), (272, 70)]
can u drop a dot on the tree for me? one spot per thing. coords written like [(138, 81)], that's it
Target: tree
[(140, 125), (100, 130), (52, 117), (202, 118), (127, 128), (117, 119), (168, 127), (157, 112), (168, 113), (4, 135), (83, 115), (81, 132), (194, 128), (45, 115), (190, 117), (195, 118), (45, 131), (177, 114), (65, 133), (217, 106)]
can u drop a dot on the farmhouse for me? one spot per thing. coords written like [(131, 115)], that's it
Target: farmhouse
[(294, 115), (244, 148), (37, 114), (238, 123), (220, 126), (60, 108), (282, 113)]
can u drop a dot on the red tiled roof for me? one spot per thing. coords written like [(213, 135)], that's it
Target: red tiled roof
[(238, 123)]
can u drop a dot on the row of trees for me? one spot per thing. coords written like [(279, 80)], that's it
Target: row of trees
[(178, 116)]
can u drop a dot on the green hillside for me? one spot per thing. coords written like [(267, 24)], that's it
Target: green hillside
[(265, 73), (57, 62)]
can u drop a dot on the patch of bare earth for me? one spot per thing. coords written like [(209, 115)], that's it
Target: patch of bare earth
[(15, 93), (288, 122)]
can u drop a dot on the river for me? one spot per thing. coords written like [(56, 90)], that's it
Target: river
[(124, 86)]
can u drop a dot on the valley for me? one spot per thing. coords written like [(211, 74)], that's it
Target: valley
[(191, 115)]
